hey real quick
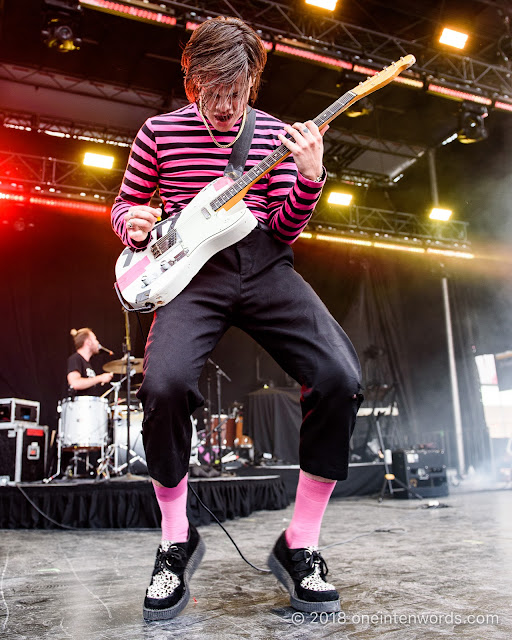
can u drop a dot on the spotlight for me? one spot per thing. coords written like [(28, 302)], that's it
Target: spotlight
[(62, 24), (343, 199), (330, 5), (440, 214), (98, 160), (453, 38), (471, 122)]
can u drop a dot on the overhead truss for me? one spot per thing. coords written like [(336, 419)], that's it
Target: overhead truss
[(326, 34), (43, 174), (342, 148), (371, 221), (22, 173)]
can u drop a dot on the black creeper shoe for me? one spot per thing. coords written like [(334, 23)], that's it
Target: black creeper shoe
[(302, 572), (168, 592)]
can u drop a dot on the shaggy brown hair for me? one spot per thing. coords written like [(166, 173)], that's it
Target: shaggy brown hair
[(221, 52)]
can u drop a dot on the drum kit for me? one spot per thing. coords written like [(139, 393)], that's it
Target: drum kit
[(101, 438), (93, 432)]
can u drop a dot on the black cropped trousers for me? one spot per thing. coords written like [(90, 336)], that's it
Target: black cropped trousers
[(251, 285)]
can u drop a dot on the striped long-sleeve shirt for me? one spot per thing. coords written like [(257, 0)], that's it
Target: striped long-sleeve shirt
[(175, 153)]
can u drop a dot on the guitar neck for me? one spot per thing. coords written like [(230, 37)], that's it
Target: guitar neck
[(264, 166)]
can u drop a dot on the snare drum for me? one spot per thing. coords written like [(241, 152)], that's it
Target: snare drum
[(84, 421)]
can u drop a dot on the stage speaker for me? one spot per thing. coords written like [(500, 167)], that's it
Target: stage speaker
[(423, 470), (23, 450)]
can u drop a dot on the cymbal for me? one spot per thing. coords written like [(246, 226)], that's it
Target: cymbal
[(119, 366)]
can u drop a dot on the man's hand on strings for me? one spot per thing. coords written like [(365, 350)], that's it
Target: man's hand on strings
[(307, 147)]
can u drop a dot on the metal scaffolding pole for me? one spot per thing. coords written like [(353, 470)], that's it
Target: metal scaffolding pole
[(454, 383), (457, 417)]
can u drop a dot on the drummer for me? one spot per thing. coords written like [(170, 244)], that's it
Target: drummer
[(82, 379)]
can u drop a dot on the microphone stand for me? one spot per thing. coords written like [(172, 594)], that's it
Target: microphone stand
[(219, 373), (127, 350), (208, 430)]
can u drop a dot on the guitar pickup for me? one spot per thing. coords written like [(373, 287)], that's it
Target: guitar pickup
[(179, 256)]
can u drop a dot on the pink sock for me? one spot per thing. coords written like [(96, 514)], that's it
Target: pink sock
[(310, 503), (173, 505)]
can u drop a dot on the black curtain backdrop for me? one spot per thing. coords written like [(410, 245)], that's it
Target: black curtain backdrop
[(57, 272)]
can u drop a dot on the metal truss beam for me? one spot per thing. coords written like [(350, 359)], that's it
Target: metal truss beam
[(370, 221), (38, 77), (60, 176), (341, 147), (275, 20), (64, 128), (70, 179)]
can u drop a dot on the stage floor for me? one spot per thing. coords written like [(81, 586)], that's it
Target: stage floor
[(437, 562)]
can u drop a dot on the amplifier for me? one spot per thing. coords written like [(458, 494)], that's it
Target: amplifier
[(23, 451), (16, 410), (423, 470)]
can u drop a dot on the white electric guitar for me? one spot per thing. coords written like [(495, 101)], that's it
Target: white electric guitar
[(215, 219)]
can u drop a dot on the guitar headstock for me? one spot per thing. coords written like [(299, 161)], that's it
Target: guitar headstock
[(384, 77)]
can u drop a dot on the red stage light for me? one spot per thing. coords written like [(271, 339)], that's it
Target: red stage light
[(458, 95), (143, 14), (70, 205), (504, 106), (12, 196), (313, 56)]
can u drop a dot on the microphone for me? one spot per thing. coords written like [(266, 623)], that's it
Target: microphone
[(102, 348)]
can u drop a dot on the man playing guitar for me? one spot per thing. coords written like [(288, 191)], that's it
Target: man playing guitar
[(252, 285)]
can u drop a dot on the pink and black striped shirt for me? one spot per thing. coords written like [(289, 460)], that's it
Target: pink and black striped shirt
[(174, 153)]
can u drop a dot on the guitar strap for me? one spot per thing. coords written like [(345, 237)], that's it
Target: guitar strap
[(237, 157), (240, 150)]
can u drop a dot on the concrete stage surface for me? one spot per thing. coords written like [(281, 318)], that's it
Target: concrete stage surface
[(437, 568)]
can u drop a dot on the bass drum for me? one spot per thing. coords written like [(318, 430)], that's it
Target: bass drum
[(84, 421), (120, 435)]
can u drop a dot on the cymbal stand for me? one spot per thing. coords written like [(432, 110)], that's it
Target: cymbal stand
[(219, 374), (115, 387)]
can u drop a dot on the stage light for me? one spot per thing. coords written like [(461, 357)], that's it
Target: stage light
[(452, 254), (398, 247), (471, 123), (453, 38), (342, 240), (335, 197), (312, 55), (56, 134), (98, 160), (330, 5), (130, 11), (457, 94), (62, 25), (12, 196), (440, 214)]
